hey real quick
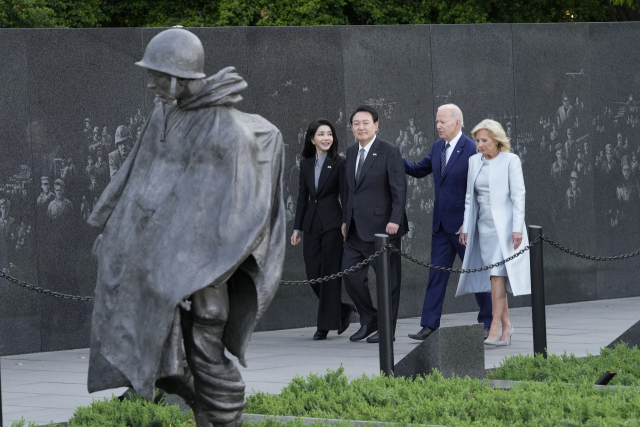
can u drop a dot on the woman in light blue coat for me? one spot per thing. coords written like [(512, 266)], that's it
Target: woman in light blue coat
[(494, 228)]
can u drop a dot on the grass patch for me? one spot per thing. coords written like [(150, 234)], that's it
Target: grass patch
[(571, 369), (139, 412), (545, 399), (136, 412), (265, 423), (453, 402)]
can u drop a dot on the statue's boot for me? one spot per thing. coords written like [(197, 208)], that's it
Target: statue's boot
[(202, 420), (201, 417), (236, 423), (219, 389)]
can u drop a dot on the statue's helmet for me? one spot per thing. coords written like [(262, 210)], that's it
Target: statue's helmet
[(122, 134), (177, 52)]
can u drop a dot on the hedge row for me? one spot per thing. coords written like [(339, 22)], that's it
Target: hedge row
[(571, 369), (452, 402), (545, 400)]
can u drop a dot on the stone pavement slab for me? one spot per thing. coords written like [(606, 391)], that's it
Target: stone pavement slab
[(43, 387)]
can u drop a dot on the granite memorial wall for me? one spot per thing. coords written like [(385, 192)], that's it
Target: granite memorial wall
[(564, 93)]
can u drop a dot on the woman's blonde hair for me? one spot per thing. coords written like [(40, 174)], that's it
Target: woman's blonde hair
[(496, 132)]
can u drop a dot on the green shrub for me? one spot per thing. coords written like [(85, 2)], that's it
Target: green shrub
[(545, 400), (136, 412), (571, 369), (454, 402), (139, 412), (23, 423)]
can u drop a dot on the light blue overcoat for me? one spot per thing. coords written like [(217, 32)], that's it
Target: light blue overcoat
[(507, 194)]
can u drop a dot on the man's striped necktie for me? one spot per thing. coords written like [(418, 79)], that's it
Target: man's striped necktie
[(443, 158)]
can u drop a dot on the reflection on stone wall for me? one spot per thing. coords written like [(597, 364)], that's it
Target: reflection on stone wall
[(64, 182), (76, 104)]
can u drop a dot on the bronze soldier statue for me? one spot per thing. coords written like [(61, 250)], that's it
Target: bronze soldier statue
[(193, 239)]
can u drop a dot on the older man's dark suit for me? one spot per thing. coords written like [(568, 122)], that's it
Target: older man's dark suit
[(319, 216), (376, 199), (448, 215)]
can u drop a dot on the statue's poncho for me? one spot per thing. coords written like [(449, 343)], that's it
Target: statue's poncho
[(199, 208)]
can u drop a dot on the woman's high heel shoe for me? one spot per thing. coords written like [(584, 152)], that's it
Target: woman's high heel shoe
[(491, 342), (508, 340)]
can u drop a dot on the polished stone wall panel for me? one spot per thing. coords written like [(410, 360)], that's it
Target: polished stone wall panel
[(295, 76), (389, 68), (19, 308), (553, 108), (516, 74), (472, 67), (72, 76), (615, 94)]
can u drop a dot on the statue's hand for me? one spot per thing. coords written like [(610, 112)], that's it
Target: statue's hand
[(94, 250), (185, 305)]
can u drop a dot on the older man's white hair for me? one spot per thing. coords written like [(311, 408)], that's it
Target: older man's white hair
[(456, 112)]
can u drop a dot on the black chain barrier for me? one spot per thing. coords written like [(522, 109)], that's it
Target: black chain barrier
[(40, 290), (361, 264), (342, 273), (410, 258), (469, 270), (589, 257)]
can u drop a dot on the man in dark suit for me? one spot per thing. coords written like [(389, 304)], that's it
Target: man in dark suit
[(375, 197), (449, 162)]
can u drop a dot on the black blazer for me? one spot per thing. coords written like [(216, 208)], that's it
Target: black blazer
[(380, 196), (326, 201)]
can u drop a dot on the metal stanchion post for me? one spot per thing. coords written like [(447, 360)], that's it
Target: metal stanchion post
[(538, 316), (384, 307)]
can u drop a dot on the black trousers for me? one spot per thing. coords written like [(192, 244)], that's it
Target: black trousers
[(322, 257), (357, 283)]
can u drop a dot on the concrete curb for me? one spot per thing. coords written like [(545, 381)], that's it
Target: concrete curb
[(507, 384)]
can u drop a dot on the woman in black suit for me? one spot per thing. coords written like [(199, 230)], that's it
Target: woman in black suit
[(319, 216)]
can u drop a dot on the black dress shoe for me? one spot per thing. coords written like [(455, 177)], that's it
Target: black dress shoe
[(345, 320), (423, 334), (376, 338), (364, 331), (486, 333), (320, 335)]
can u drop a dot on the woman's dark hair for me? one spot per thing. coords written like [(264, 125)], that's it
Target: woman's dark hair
[(309, 149)]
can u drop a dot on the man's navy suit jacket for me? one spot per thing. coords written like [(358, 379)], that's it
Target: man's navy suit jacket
[(451, 187)]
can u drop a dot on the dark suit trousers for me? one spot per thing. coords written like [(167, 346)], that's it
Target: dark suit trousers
[(444, 247), (322, 257), (357, 283)]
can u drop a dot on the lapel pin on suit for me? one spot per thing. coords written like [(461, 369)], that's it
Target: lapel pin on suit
[(458, 151), (328, 167), (375, 154)]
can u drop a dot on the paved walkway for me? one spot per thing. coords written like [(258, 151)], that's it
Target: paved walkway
[(45, 387)]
